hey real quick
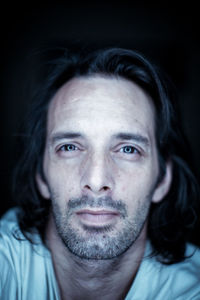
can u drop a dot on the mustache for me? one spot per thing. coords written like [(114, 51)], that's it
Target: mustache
[(103, 202)]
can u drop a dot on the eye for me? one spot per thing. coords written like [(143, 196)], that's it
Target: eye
[(129, 150), (68, 148)]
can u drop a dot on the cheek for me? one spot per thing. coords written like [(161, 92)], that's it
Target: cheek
[(62, 180), (135, 184)]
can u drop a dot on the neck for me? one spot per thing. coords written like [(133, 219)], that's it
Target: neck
[(93, 279)]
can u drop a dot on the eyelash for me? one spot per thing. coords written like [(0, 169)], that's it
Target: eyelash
[(68, 145), (72, 148), (132, 150)]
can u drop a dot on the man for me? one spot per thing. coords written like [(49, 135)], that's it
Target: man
[(106, 198)]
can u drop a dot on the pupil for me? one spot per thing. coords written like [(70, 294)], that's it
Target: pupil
[(128, 149), (70, 147)]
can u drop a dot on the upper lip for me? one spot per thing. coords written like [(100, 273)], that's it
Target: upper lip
[(97, 212)]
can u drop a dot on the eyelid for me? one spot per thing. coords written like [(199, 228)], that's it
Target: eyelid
[(75, 144), (67, 145), (123, 145), (134, 148)]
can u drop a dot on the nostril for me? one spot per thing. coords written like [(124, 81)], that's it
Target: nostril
[(105, 188), (87, 187)]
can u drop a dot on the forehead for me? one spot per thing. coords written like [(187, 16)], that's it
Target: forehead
[(101, 105)]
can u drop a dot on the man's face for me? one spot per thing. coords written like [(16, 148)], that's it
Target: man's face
[(100, 165)]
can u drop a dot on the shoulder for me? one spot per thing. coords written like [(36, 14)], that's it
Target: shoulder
[(178, 281), (185, 278), (14, 245), (192, 262), (9, 231), (182, 280), (22, 262), (188, 268), (9, 251), (11, 237)]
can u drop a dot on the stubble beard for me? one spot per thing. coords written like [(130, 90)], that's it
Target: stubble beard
[(99, 243)]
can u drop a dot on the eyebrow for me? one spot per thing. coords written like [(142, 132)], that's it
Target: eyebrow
[(119, 136), (65, 135), (134, 137)]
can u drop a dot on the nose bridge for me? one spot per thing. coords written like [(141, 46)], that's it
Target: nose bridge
[(97, 176)]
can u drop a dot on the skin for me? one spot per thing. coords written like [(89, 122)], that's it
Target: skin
[(110, 158)]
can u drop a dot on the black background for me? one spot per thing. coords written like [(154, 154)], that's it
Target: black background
[(167, 33)]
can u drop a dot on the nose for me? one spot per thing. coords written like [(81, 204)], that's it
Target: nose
[(97, 176)]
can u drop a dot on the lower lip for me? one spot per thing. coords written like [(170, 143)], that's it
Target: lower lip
[(97, 218)]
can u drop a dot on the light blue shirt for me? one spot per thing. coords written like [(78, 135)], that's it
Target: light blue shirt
[(27, 273)]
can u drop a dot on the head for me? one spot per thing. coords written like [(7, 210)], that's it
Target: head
[(104, 157)]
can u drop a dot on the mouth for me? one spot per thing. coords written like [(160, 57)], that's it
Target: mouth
[(97, 217)]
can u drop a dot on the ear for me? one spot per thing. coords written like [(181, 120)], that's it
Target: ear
[(42, 186), (164, 186)]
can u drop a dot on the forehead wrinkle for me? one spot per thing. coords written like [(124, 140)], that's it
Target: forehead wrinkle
[(66, 102)]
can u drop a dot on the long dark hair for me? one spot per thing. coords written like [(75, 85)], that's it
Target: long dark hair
[(172, 219)]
